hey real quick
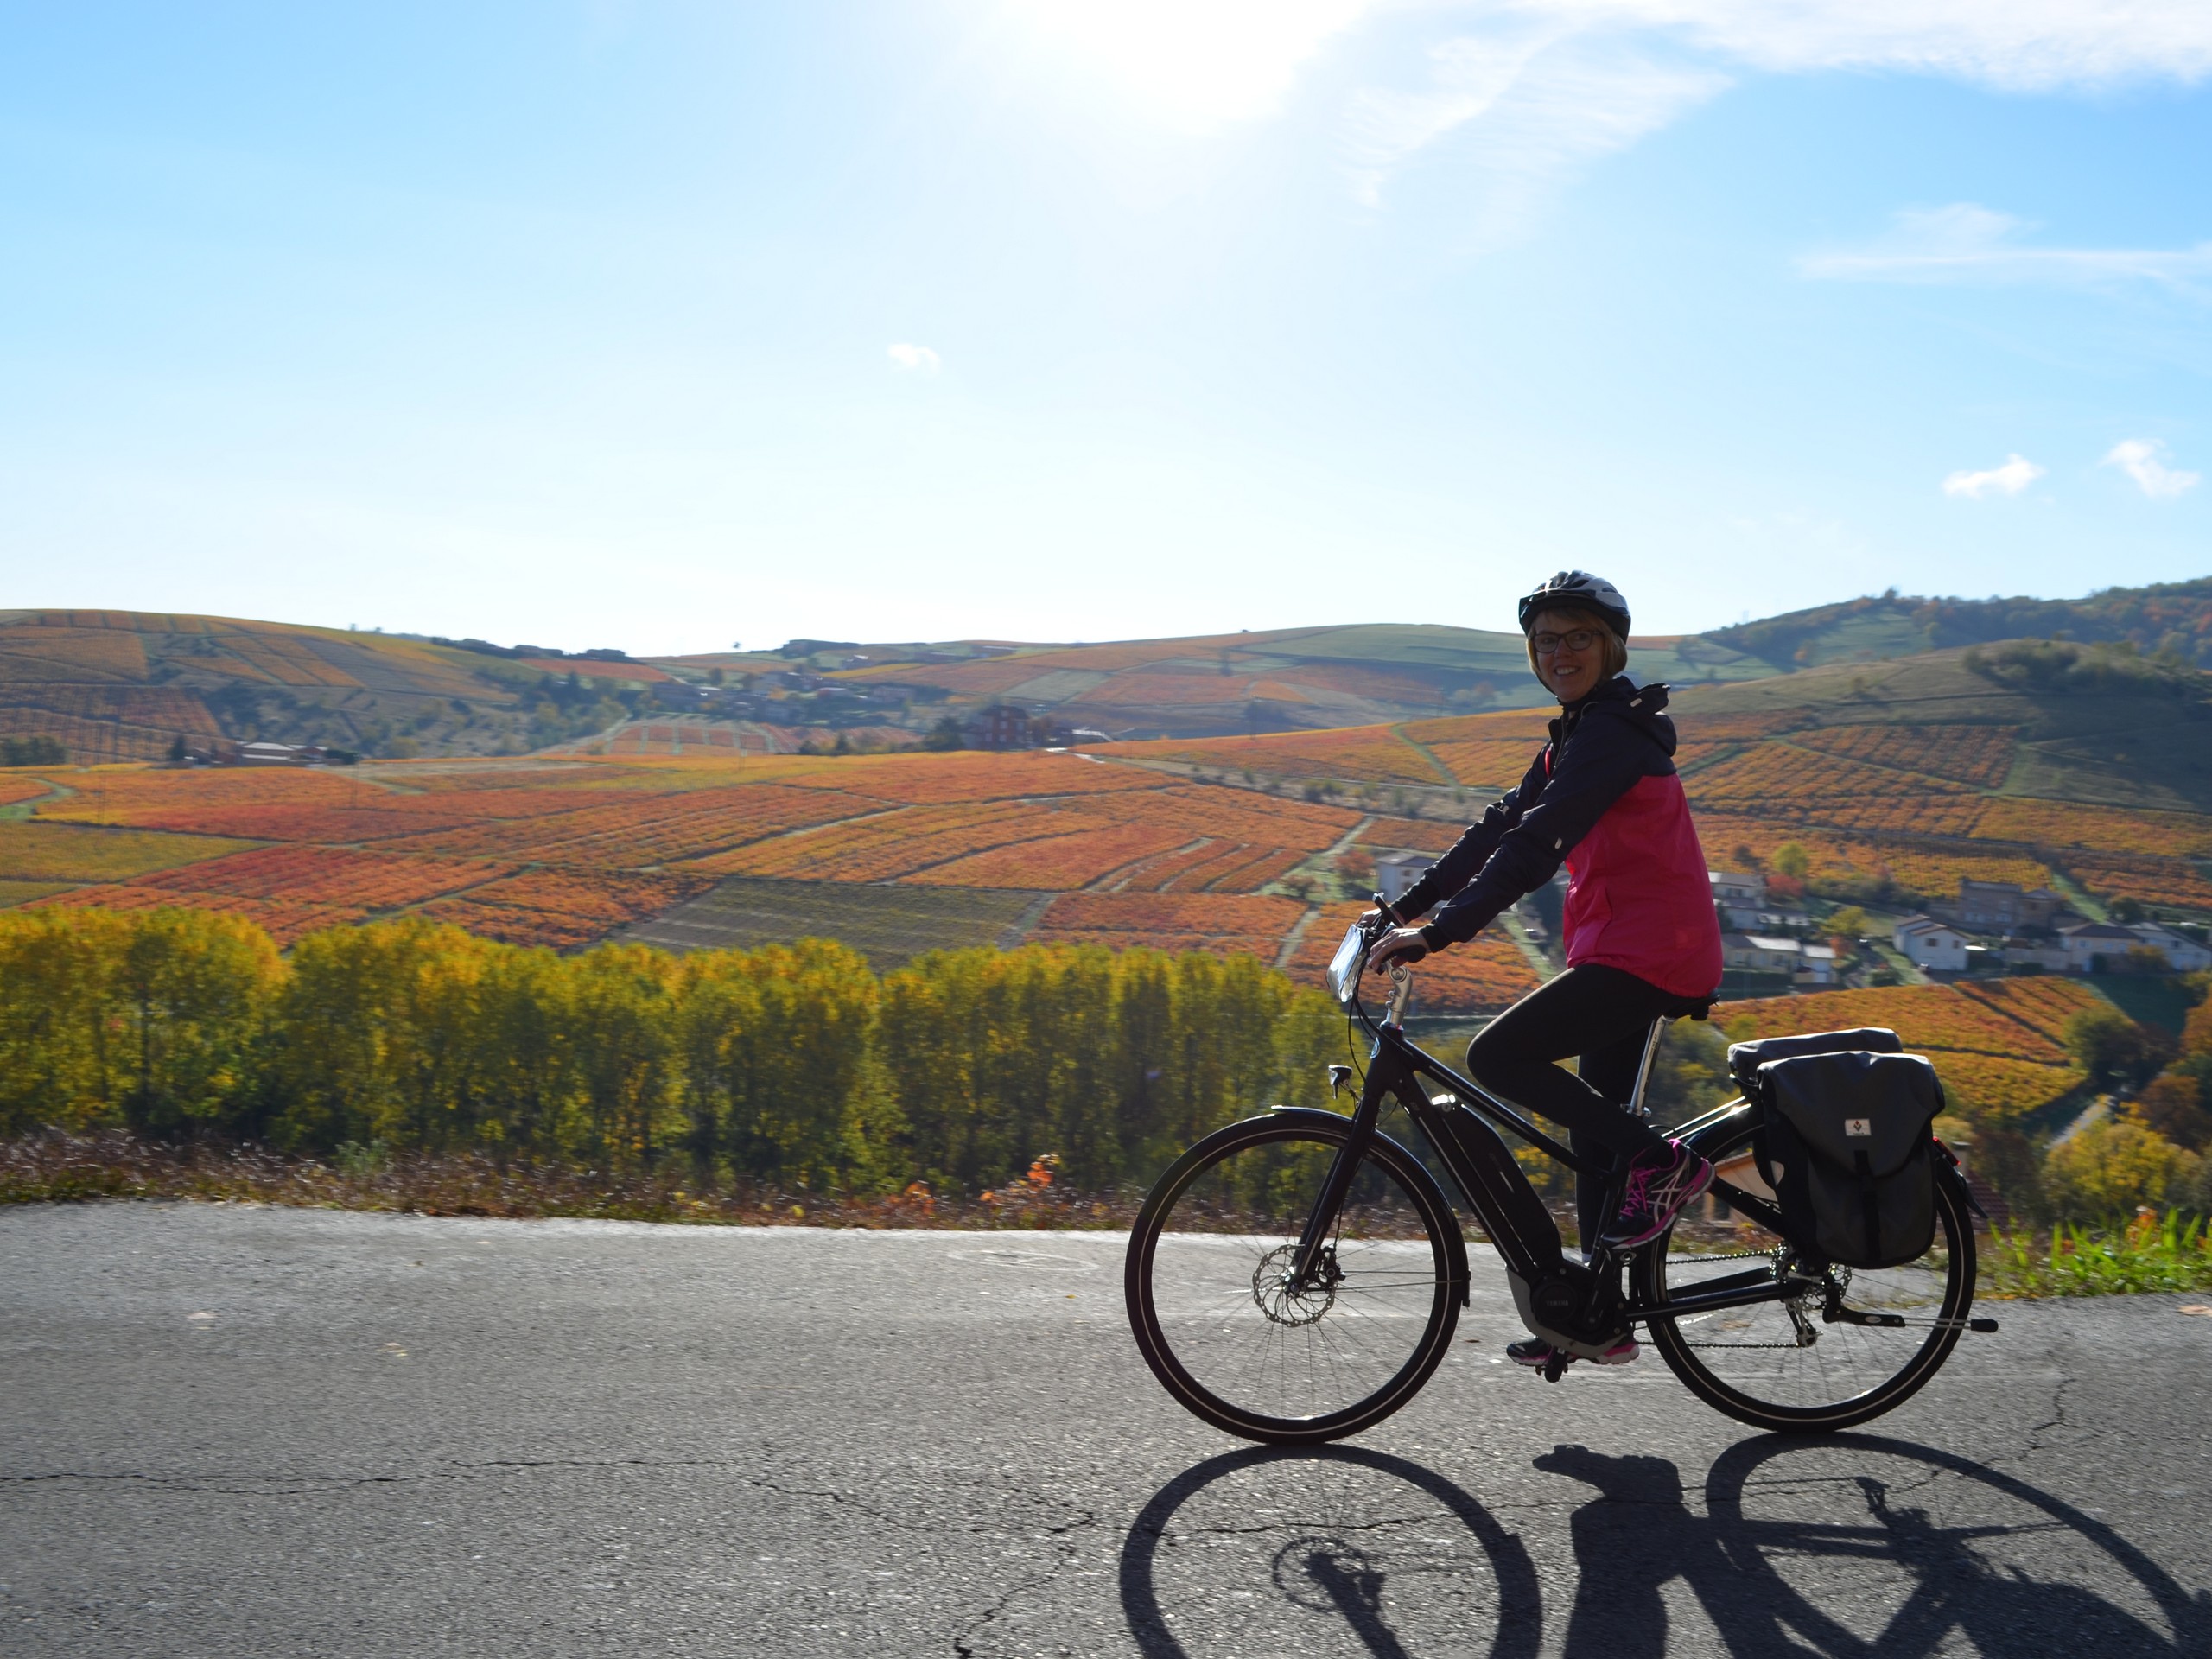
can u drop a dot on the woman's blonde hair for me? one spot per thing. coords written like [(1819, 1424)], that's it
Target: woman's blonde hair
[(1572, 617)]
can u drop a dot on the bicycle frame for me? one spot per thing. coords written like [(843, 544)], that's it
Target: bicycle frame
[(1461, 1130)]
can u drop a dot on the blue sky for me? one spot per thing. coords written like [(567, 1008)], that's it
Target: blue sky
[(667, 325)]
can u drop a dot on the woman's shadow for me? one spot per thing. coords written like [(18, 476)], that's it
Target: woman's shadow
[(1754, 1574)]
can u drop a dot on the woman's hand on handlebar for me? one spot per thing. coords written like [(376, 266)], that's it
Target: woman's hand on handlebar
[(1400, 944)]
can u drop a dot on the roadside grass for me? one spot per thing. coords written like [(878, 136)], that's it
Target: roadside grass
[(2151, 1253), (57, 1168)]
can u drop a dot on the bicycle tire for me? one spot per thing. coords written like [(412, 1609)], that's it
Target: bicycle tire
[(1212, 1311), (1741, 1395)]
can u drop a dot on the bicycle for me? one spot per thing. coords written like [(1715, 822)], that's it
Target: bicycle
[(1297, 1276)]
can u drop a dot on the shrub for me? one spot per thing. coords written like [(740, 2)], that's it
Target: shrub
[(2114, 1168), (2172, 1105), (2112, 1048)]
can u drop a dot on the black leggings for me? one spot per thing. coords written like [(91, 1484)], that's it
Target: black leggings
[(1603, 1015)]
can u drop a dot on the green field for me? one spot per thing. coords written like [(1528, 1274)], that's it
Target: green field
[(73, 852)]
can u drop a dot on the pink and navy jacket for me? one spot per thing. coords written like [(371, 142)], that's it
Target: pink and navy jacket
[(1602, 797)]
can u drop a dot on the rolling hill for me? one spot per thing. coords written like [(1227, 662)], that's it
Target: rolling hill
[(2170, 618), (1292, 679), (126, 685), (109, 685), (121, 685)]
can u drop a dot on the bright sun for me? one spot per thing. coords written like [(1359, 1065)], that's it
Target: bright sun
[(1195, 63)]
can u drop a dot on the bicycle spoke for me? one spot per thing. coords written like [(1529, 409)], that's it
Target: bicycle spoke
[(1786, 1363), (1221, 1299)]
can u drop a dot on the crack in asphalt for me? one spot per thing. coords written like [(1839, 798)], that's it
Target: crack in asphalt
[(963, 1643), (247, 1485)]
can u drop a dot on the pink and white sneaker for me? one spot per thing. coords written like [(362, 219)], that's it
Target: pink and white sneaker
[(1534, 1351), (1659, 1183)]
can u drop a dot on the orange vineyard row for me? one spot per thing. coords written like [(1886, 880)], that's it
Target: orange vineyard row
[(1483, 977), (1255, 926), (326, 875), (1980, 755)]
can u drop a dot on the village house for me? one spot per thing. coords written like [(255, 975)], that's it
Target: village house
[(1815, 967), (2184, 954), (2088, 942), (281, 754), (1762, 953), (1745, 892), (2042, 951), (2006, 908), (1930, 944), (1396, 873)]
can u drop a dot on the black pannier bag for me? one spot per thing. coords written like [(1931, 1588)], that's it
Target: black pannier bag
[(1848, 1144), (1745, 1058)]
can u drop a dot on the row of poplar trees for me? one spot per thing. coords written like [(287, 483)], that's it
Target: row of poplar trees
[(789, 1065)]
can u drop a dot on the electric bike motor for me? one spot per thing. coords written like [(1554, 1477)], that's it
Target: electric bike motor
[(1571, 1308)]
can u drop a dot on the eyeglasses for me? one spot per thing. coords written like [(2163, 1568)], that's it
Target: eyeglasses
[(1580, 639)]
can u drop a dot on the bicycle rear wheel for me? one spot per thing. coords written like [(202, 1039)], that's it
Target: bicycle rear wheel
[(1211, 1309), (1780, 1365)]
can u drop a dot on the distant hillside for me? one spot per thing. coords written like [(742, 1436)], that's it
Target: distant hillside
[(113, 685), (2089, 724), (1287, 680), (126, 685), (2172, 618)]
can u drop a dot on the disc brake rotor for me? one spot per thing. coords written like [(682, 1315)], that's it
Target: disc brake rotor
[(1271, 1291)]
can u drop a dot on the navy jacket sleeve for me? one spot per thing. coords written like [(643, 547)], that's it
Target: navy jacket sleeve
[(1602, 758), (1472, 850)]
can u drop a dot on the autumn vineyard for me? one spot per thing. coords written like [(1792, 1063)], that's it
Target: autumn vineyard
[(1251, 852)]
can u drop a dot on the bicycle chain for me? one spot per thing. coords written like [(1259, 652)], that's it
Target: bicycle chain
[(1739, 1255)]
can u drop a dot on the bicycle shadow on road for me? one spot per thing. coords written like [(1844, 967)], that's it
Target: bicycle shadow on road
[(1843, 1545), (1854, 1550), (1327, 1564)]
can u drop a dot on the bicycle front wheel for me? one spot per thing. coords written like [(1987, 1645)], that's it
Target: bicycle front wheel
[(1212, 1309), (1783, 1365)]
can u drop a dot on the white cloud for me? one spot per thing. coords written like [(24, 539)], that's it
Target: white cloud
[(1536, 104), (1636, 65), (2015, 475), (2018, 44), (1964, 242), (1538, 85), (2139, 459), (915, 360)]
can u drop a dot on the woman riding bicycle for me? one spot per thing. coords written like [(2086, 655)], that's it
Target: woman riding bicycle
[(1642, 938)]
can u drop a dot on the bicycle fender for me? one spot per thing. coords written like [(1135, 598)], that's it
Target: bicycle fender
[(1455, 1245)]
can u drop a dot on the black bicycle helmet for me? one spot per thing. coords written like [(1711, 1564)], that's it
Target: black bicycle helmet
[(1578, 590)]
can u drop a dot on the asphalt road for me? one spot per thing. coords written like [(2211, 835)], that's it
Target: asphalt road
[(234, 1431)]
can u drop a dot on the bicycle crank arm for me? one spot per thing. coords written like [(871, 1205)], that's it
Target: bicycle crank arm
[(1897, 1321)]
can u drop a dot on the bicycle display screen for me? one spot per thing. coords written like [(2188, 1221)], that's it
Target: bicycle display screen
[(1343, 966)]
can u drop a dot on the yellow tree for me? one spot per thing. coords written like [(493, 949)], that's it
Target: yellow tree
[(372, 1027), (59, 1023), (526, 1078), (623, 1024), (194, 987), (814, 1090)]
